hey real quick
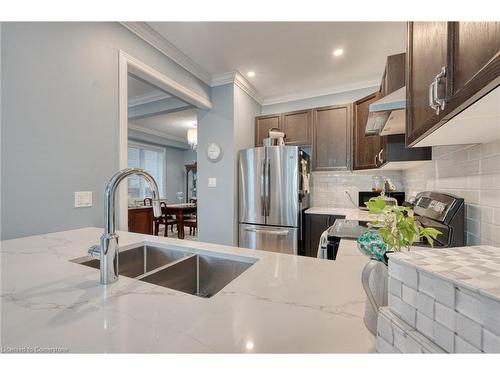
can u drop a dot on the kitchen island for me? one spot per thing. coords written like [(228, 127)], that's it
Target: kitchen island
[(281, 304)]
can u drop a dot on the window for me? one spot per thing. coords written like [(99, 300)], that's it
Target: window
[(152, 159)]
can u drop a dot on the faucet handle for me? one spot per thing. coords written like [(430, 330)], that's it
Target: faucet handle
[(95, 251)]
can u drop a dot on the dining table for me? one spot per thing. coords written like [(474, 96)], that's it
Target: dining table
[(180, 210)]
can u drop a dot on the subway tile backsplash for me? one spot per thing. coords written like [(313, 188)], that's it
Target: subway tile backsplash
[(468, 171), (471, 172), (328, 188)]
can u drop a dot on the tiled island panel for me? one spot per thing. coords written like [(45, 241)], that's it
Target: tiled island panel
[(450, 296), (395, 336)]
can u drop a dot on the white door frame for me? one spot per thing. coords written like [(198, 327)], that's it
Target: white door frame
[(129, 64)]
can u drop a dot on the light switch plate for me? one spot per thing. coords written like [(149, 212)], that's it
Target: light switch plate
[(212, 182), (83, 199)]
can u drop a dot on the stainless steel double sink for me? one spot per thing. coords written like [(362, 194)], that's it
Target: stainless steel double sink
[(199, 274)]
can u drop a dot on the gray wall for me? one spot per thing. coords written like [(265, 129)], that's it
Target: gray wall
[(318, 101), (215, 205), (176, 173), (231, 124), (60, 119), (190, 156)]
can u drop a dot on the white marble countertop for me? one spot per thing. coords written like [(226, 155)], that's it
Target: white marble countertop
[(283, 303), (349, 213)]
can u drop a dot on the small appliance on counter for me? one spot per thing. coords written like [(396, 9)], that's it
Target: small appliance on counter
[(364, 196), (443, 212)]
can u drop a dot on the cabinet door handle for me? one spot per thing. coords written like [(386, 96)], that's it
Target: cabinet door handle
[(380, 159), (432, 100), (376, 156), (435, 102), (441, 102)]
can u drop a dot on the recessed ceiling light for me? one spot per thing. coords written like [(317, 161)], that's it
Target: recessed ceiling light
[(338, 52), (251, 74)]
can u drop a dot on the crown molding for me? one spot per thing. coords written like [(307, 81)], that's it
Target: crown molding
[(147, 98), (158, 133), (156, 40), (150, 36), (238, 79), (322, 92)]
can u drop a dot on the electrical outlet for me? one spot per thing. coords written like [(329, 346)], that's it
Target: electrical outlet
[(212, 182), (83, 199)]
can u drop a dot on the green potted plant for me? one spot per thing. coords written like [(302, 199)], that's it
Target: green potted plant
[(396, 230), (398, 227)]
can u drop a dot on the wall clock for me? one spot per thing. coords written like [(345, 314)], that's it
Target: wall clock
[(214, 152)]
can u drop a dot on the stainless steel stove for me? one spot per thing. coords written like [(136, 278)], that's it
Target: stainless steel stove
[(432, 209)]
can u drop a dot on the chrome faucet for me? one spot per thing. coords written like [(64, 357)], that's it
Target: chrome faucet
[(108, 250)]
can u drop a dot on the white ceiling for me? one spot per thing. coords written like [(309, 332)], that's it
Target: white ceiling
[(290, 58), (173, 125), (138, 88), (140, 92)]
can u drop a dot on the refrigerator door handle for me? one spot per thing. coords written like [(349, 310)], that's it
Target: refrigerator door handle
[(263, 189), (268, 188), (266, 231)]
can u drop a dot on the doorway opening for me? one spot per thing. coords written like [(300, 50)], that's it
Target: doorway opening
[(158, 133)]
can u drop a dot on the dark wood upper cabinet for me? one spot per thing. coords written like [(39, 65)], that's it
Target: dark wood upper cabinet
[(332, 138), (365, 148), (460, 60), (262, 126), (297, 127), (426, 56), (474, 46)]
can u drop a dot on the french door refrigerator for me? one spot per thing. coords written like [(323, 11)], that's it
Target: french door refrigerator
[(271, 198)]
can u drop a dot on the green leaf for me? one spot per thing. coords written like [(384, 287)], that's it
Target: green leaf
[(376, 206), (430, 234)]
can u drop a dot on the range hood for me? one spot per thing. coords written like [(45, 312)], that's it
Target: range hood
[(387, 115)]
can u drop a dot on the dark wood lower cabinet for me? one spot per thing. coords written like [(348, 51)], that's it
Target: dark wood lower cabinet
[(140, 220), (315, 225)]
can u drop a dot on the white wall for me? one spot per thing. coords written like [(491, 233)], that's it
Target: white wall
[(471, 172), (60, 119)]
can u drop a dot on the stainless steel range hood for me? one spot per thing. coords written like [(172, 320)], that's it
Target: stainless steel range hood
[(387, 115)]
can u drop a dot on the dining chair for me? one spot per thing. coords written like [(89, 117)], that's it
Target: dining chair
[(192, 223), (168, 220)]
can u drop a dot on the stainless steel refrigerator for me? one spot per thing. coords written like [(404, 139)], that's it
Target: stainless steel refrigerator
[(273, 194)]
